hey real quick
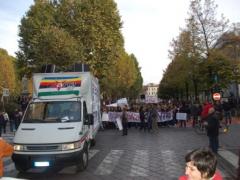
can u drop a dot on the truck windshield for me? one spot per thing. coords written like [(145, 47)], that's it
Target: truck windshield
[(53, 112)]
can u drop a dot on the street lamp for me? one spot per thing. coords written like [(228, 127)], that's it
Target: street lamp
[(236, 71)]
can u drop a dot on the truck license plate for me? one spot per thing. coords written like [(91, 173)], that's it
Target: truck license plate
[(41, 164)]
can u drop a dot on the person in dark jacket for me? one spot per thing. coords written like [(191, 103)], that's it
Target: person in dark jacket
[(124, 122), (1, 123), (227, 112), (142, 118), (212, 125), (195, 112)]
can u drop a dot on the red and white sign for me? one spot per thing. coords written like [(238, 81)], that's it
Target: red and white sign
[(216, 96)]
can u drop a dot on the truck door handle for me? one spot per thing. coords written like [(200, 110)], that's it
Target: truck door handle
[(63, 128), (28, 129)]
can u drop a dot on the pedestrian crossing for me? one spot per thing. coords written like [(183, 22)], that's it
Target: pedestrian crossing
[(141, 157), (229, 157), (142, 163), (109, 163)]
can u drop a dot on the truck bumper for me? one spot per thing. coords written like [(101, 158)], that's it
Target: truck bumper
[(54, 160)]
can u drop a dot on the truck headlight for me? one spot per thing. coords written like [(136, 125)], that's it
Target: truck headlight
[(71, 146), (18, 147)]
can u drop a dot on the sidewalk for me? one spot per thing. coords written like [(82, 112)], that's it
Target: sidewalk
[(8, 136), (235, 120)]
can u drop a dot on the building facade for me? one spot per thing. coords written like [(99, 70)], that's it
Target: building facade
[(151, 89)]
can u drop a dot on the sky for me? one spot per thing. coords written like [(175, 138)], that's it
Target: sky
[(148, 28)]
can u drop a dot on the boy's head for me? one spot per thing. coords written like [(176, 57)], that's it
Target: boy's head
[(200, 164)]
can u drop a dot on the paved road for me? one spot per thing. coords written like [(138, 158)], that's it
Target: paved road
[(143, 155)]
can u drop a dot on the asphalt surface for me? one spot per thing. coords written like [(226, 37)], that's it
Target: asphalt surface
[(142, 155)]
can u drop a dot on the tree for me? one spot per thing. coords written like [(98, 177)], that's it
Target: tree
[(64, 32), (123, 79), (207, 27), (90, 30), (7, 72), (185, 63), (136, 88)]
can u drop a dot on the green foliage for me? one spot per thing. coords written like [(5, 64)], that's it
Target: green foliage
[(208, 29), (136, 88), (63, 32), (55, 46), (195, 61), (7, 72)]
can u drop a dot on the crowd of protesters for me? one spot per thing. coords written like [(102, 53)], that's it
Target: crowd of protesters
[(12, 118), (195, 112)]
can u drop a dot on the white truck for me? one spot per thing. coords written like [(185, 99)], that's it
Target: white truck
[(60, 123)]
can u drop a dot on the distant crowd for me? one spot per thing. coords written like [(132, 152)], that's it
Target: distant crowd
[(13, 118), (194, 111)]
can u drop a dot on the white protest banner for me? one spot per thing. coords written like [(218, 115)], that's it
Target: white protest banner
[(122, 102), (119, 123), (5, 92), (112, 105), (105, 116), (151, 99), (134, 116), (165, 116), (181, 116)]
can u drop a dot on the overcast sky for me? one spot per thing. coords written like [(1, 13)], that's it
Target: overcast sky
[(148, 28)]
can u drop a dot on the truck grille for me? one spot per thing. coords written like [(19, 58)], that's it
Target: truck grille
[(42, 147)]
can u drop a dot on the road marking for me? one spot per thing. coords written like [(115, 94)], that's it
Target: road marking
[(108, 164), (172, 166), (140, 163), (92, 153), (229, 156)]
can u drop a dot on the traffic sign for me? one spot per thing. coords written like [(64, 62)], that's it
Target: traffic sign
[(5, 92), (216, 96)]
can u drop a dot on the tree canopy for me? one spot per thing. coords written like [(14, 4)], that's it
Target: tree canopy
[(201, 60), (64, 32), (7, 72)]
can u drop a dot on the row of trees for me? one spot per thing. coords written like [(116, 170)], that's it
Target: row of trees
[(203, 56), (64, 32), (8, 75)]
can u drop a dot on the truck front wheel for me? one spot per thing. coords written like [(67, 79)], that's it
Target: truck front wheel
[(92, 142), (83, 162)]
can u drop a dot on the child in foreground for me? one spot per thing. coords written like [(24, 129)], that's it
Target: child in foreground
[(201, 164)]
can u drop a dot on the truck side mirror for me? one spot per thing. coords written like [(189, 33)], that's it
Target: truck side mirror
[(88, 120)]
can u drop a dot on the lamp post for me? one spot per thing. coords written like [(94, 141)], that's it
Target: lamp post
[(236, 71)]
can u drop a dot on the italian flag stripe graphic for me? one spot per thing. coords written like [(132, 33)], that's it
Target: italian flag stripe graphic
[(56, 93)]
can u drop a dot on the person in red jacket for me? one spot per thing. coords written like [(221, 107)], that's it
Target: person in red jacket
[(201, 164), (205, 109), (5, 150)]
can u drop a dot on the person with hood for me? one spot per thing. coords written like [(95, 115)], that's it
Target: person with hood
[(5, 150)]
